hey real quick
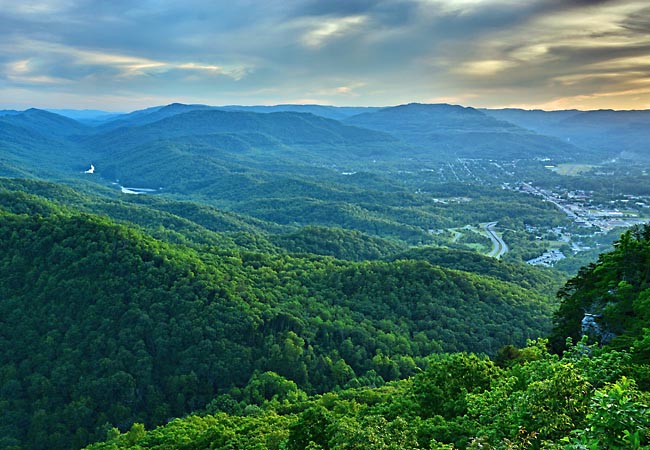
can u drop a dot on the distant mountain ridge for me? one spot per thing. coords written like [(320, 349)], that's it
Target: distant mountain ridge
[(441, 131), (329, 112), (87, 116), (41, 142), (287, 127), (8, 112), (149, 115), (209, 144), (46, 123), (36, 143), (153, 114), (607, 133)]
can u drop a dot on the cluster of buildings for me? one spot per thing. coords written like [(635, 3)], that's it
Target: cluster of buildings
[(578, 207), (548, 258)]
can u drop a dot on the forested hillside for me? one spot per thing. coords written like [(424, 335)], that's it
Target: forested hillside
[(104, 325), (610, 299), (590, 397)]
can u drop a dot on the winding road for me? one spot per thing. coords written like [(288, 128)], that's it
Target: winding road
[(500, 247)]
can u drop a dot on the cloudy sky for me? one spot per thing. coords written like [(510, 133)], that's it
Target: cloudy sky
[(121, 55)]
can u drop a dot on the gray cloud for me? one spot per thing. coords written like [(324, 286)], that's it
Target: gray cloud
[(482, 52), (638, 22)]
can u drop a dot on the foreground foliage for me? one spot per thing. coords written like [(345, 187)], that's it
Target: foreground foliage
[(610, 300), (584, 400)]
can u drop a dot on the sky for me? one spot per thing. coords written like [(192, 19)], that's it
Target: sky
[(122, 55)]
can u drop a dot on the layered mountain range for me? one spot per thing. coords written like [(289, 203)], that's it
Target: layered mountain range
[(226, 154), (281, 251)]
